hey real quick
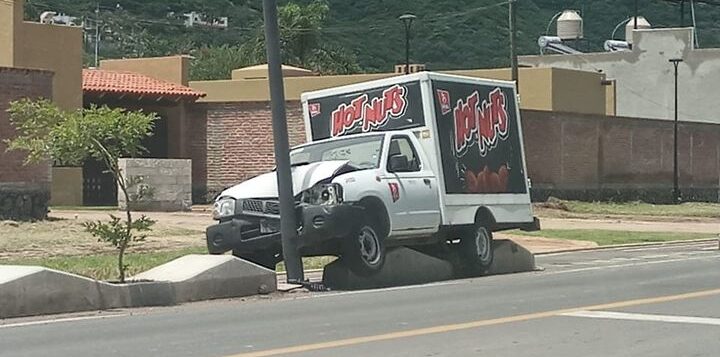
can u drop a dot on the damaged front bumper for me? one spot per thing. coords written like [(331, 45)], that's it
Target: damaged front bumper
[(316, 224)]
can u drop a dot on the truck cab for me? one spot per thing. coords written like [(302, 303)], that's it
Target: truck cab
[(385, 178)]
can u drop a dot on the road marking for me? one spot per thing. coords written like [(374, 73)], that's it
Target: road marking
[(639, 263), (55, 321), (472, 324), (644, 317)]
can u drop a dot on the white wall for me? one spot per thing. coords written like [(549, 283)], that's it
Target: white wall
[(644, 77)]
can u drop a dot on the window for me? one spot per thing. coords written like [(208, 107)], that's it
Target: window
[(402, 146)]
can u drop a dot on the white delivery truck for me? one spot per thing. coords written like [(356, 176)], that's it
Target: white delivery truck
[(428, 161)]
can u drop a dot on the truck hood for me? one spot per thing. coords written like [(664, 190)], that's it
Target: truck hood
[(304, 177)]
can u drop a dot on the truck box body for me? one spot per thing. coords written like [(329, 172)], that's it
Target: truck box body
[(469, 129)]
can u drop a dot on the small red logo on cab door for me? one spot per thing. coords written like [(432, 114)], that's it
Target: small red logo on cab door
[(394, 191)]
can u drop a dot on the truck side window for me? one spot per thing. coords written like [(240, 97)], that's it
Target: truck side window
[(402, 146)]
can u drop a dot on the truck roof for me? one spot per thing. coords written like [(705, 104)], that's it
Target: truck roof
[(402, 79)]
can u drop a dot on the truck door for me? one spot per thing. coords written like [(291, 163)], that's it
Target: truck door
[(417, 192)]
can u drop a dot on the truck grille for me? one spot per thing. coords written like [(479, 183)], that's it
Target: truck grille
[(262, 207)]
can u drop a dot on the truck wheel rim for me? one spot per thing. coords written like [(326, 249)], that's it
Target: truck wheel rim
[(482, 243), (369, 245)]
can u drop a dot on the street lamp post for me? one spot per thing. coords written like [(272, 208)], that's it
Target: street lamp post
[(407, 20), (676, 189)]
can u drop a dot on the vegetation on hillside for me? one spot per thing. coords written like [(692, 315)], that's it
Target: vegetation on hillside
[(342, 36)]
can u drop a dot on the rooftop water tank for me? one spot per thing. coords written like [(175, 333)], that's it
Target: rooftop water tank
[(642, 24), (570, 25)]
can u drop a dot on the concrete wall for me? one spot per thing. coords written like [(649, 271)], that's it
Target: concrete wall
[(67, 186), (168, 180), (645, 78), (591, 157), (540, 89), (24, 189), (49, 47), (174, 69)]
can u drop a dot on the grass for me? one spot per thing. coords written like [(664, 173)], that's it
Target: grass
[(84, 208), (690, 209), (104, 266), (608, 237)]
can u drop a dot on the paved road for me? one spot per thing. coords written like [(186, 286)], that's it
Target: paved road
[(652, 301)]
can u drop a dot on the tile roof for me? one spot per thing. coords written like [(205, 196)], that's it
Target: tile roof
[(122, 82)]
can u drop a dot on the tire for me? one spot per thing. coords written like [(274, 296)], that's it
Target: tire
[(265, 259), (364, 250), (476, 250)]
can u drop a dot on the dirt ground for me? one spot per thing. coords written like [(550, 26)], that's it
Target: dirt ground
[(63, 234)]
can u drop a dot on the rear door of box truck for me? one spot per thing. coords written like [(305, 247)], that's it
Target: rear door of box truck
[(479, 148)]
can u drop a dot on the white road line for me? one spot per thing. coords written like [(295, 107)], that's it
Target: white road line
[(640, 263), (644, 317), (55, 321)]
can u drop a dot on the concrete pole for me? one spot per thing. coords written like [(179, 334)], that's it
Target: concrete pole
[(288, 227), (513, 44)]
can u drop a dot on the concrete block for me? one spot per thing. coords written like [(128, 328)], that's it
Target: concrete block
[(202, 277), (403, 266), (511, 257)]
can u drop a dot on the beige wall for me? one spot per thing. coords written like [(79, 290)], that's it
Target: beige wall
[(544, 89), (49, 47), (67, 186), (174, 69), (55, 48)]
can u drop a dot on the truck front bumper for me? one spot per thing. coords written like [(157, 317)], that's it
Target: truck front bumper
[(316, 224)]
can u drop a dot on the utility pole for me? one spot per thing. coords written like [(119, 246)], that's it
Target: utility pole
[(513, 44), (407, 20), (676, 188), (288, 227), (682, 13), (97, 33), (636, 15)]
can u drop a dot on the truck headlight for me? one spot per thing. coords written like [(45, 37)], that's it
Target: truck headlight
[(224, 207), (323, 194)]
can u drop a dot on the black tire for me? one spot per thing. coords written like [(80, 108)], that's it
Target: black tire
[(476, 250), (265, 259), (364, 250)]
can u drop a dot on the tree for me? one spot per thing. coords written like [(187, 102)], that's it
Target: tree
[(46, 132), (302, 44)]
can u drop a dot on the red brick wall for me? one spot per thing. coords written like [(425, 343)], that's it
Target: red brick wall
[(16, 84), (24, 189), (590, 152), (239, 141), (565, 151)]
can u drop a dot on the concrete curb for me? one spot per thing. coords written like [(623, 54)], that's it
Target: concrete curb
[(631, 245), (29, 290)]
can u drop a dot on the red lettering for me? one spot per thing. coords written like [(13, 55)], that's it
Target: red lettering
[(480, 123), (373, 113)]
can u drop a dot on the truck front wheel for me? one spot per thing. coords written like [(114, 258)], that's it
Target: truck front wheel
[(364, 250), (476, 250)]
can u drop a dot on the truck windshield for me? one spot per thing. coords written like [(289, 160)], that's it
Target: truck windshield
[(362, 152)]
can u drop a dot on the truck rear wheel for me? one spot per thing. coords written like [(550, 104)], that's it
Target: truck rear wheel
[(476, 250), (364, 250)]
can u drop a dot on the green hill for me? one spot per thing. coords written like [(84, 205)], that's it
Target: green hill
[(447, 34)]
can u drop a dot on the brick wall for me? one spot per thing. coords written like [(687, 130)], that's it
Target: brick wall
[(24, 189), (588, 157), (596, 157), (239, 141)]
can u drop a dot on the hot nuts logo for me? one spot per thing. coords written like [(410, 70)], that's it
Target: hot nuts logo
[(369, 113), (480, 122)]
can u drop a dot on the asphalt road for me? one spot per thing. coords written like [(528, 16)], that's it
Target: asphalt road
[(651, 301)]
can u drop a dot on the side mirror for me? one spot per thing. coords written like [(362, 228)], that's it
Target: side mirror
[(398, 163)]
